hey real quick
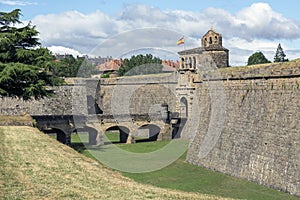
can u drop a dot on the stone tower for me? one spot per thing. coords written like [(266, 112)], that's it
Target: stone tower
[(190, 61), (211, 46)]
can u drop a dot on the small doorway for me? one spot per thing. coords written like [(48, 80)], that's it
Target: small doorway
[(183, 108)]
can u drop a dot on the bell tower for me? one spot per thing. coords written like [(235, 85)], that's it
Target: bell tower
[(190, 62), (211, 39)]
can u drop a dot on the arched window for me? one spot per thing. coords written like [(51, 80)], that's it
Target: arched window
[(182, 63), (210, 40)]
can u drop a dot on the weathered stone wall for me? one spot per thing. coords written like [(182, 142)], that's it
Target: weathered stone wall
[(137, 95), (66, 100), (260, 139), (143, 94), (59, 103), (221, 58)]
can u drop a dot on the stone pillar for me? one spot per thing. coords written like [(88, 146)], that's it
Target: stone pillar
[(95, 134), (68, 139), (130, 139)]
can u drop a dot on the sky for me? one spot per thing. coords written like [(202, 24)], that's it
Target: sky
[(120, 28)]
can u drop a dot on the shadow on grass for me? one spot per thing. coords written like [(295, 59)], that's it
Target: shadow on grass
[(136, 141), (81, 147)]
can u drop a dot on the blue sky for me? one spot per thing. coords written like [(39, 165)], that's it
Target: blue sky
[(247, 26)]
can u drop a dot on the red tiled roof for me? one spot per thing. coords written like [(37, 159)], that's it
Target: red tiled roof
[(113, 65)]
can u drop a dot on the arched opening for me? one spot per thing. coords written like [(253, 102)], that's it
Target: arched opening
[(85, 136), (190, 62), (116, 134), (183, 108), (210, 40), (147, 133), (59, 135), (182, 63), (186, 62), (194, 62), (80, 139)]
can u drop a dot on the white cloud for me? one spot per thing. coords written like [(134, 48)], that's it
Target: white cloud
[(64, 50), (256, 21), (17, 3), (256, 27)]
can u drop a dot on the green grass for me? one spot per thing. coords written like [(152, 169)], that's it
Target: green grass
[(35, 166), (186, 177), (112, 137)]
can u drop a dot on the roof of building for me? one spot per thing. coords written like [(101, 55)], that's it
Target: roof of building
[(200, 50), (112, 65), (213, 31)]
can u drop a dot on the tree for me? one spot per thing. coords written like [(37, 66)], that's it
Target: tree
[(280, 55), (24, 66), (257, 58), (141, 64)]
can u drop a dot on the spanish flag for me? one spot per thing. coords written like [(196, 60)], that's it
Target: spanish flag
[(180, 41)]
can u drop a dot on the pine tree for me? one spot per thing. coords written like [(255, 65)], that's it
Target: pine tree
[(23, 65), (280, 55)]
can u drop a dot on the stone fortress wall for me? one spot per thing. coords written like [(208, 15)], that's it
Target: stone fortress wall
[(59, 103), (260, 137), (84, 96), (140, 94)]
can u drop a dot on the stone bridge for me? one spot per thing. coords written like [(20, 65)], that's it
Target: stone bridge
[(157, 127)]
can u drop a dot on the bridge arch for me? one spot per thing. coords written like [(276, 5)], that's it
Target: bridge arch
[(61, 135), (92, 134), (150, 135), (123, 132)]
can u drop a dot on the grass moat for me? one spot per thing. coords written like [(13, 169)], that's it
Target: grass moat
[(183, 176)]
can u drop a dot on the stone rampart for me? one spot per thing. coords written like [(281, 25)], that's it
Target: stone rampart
[(260, 137), (59, 103), (137, 95)]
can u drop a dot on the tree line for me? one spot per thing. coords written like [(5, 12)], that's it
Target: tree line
[(259, 57)]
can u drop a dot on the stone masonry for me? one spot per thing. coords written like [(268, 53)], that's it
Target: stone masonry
[(260, 139)]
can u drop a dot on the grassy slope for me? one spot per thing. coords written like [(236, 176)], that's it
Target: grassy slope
[(186, 177), (34, 166)]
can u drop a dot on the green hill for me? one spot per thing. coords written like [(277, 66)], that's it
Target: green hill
[(34, 166)]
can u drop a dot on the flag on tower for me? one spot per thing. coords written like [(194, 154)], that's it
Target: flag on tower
[(180, 41)]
